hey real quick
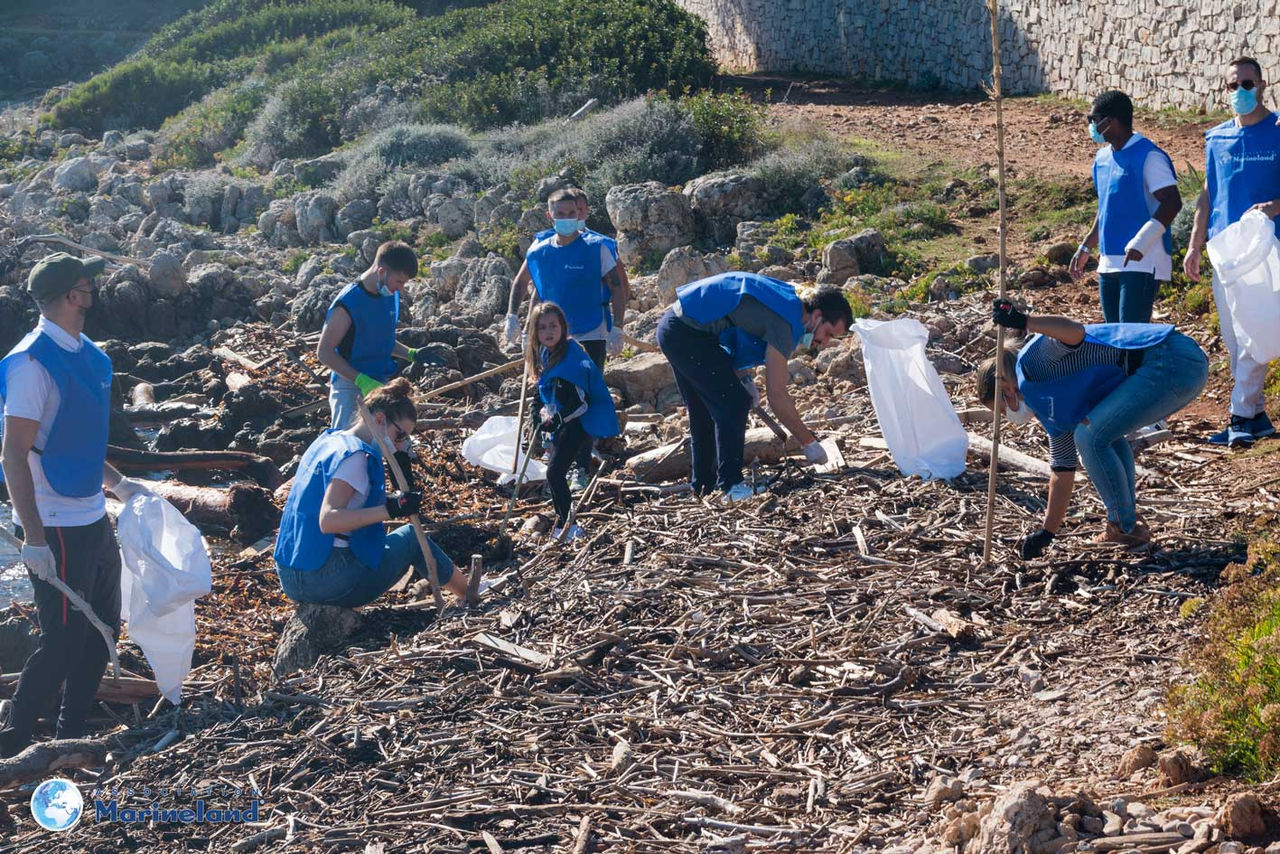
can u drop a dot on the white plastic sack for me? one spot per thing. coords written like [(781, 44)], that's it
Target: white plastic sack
[(917, 419), (493, 447), (166, 567), (1246, 269)]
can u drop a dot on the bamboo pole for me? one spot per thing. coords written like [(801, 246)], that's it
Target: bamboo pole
[(466, 381), (524, 393), (996, 93), (389, 454)]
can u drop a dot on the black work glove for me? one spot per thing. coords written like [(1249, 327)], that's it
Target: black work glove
[(406, 466), (1035, 544), (551, 424), (401, 505), (1006, 314)]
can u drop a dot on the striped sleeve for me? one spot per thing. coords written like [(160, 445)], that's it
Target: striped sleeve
[(1062, 452)]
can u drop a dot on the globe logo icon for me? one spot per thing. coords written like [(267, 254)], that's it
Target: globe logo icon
[(56, 804)]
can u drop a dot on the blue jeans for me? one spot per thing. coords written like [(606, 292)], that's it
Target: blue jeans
[(344, 581), (1172, 374), (1127, 297), (718, 404), (344, 403)]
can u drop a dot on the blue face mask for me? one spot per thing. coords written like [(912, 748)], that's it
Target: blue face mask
[(806, 341), (1095, 134), (382, 288), (1244, 101), (565, 227)]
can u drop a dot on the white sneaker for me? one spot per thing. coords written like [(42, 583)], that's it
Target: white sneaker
[(739, 492), (573, 533)]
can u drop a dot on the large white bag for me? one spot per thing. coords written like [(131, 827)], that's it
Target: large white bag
[(915, 413), (1246, 269), (166, 567), (493, 447)]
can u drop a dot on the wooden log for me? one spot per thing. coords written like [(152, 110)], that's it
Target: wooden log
[(651, 466), (245, 509), (40, 760), (126, 690), (260, 469), (980, 446)]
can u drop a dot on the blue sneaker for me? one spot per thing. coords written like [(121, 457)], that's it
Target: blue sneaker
[(1260, 426), (1237, 433)]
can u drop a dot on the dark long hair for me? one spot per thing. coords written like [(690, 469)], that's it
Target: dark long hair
[(532, 347)]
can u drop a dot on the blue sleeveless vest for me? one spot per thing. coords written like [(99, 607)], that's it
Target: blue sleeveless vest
[(301, 544), (601, 419), (1062, 403), (1122, 200), (711, 299), (745, 351), (1241, 168), (76, 448), (570, 276), (374, 318)]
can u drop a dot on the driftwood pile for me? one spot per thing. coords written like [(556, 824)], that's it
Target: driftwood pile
[(792, 673)]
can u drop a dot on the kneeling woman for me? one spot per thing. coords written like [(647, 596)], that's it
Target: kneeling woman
[(576, 405), (333, 548), (1091, 386)]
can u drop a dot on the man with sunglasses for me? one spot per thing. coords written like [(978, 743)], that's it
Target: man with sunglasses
[(56, 391), (1242, 173), (1137, 201)]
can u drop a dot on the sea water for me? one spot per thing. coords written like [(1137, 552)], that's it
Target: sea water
[(14, 584)]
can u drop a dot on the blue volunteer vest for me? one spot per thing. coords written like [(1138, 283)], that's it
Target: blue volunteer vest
[(1241, 169), (711, 299), (1062, 403), (571, 277), (301, 544), (601, 419), (1122, 200), (76, 448), (745, 351), (373, 319)]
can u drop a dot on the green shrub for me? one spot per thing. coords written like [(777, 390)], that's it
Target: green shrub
[(139, 93), (730, 127), (793, 176), (294, 262), (192, 137), (398, 147)]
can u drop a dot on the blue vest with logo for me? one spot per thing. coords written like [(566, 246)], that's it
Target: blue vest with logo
[(1122, 198), (373, 319), (1241, 169), (571, 277), (711, 299), (601, 419), (76, 448), (1062, 403), (301, 544)]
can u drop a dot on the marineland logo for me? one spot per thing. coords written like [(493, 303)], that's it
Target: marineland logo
[(57, 804)]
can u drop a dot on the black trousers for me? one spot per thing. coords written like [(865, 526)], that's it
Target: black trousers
[(597, 350), (71, 656), (569, 443)]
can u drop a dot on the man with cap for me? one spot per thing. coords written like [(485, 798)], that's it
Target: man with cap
[(55, 386)]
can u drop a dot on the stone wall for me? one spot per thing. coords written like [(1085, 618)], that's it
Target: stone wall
[(1164, 54)]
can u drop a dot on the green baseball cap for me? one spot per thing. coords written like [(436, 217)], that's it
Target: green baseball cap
[(58, 273)]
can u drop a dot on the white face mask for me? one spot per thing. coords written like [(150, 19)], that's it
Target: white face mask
[(1021, 415)]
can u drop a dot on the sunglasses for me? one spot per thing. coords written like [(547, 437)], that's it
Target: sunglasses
[(400, 433), (1246, 85)]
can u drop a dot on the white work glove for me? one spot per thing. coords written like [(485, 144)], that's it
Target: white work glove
[(814, 453), (614, 342), (749, 383), (128, 487), (39, 560), (512, 332)]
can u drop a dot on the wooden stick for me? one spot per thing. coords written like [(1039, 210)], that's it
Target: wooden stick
[(993, 7), (768, 421), (389, 454), (519, 481), (454, 386), (524, 396), (70, 244)]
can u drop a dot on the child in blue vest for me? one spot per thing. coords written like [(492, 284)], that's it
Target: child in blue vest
[(358, 341), (333, 548), (577, 269), (1137, 201), (576, 404), (1241, 173), (1090, 386)]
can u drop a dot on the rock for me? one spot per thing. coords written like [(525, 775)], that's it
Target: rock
[(454, 217), (34, 65), (312, 631), (167, 278), (982, 263), (641, 379), (1018, 822), (137, 149), (842, 361), (651, 221), (685, 264), (1135, 759), (446, 275), (942, 789), (1241, 816), (314, 213), (67, 140), (865, 252), (1060, 253), (482, 292), (111, 139), (354, 216), (720, 201), (1139, 811), (76, 175), (1175, 767), (1113, 824)]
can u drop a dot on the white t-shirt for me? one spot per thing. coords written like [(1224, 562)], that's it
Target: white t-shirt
[(1156, 175), (354, 472), (34, 395)]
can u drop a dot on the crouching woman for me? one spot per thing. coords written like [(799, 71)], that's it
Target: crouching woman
[(333, 548), (1090, 386)]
